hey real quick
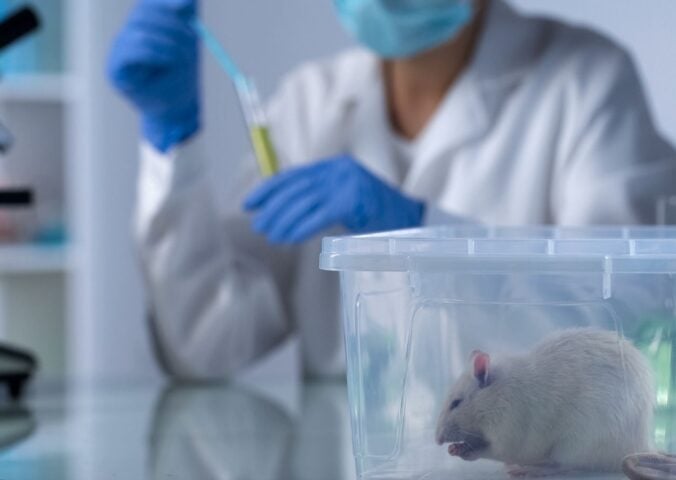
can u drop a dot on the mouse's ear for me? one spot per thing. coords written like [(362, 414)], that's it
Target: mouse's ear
[(481, 362)]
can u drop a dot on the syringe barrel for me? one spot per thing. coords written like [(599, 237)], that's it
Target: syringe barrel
[(251, 103)]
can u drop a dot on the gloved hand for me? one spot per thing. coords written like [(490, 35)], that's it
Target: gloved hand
[(299, 203), (154, 62)]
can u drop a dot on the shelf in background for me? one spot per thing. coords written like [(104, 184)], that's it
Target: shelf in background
[(33, 259), (37, 88)]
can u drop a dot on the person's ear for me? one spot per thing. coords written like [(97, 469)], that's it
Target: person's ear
[(481, 362)]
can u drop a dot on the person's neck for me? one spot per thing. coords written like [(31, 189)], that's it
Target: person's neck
[(416, 86)]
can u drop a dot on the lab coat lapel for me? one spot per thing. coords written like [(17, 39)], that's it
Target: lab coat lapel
[(502, 57), (369, 135), (461, 117)]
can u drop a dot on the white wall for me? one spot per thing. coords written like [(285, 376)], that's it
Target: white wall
[(267, 37), (109, 329), (645, 27)]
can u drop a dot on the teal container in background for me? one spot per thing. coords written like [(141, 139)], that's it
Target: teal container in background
[(41, 53)]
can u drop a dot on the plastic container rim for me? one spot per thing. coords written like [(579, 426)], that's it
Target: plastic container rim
[(506, 249)]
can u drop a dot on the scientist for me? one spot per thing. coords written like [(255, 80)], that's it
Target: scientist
[(454, 108)]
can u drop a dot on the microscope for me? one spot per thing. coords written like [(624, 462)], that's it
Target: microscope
[(16, 365)]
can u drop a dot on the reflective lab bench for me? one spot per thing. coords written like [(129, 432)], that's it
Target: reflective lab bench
[(179, 432), (192, 432)]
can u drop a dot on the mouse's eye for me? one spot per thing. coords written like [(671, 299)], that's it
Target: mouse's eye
[(455, 403)]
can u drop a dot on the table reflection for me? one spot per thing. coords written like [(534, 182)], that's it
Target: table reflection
[(16, 424), (227, 432)]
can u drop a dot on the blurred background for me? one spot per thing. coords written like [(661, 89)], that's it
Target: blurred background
[(70, 288)]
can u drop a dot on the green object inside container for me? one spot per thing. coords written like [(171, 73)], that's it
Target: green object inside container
[(656, 338)]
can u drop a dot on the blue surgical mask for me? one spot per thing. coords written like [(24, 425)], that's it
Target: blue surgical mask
[(404, 28)]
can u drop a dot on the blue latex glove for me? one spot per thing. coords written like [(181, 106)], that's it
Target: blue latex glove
[(299, 203), (154, 62)]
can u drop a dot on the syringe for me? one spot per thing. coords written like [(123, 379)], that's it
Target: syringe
[(249, 100)]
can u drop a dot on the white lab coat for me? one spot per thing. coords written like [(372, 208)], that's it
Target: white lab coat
[(548, 125)]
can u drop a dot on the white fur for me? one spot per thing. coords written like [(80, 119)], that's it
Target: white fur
[(582, 399)]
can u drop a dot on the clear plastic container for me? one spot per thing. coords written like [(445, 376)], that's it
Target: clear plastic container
[(418, 303)]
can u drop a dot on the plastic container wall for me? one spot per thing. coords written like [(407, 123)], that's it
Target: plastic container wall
[(418, 303)]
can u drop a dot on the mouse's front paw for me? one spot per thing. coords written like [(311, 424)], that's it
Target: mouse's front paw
[(457, 449)]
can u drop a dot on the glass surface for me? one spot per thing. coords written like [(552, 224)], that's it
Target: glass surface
[(278, 432), (179, 432)]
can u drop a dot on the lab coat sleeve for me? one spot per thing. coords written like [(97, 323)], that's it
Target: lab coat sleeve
[(617, 166), (216, 290)]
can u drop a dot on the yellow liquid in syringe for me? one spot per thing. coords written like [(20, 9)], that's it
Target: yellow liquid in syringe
[(265, 152)]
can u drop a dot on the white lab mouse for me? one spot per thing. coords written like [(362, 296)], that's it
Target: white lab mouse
[(582, 399)]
